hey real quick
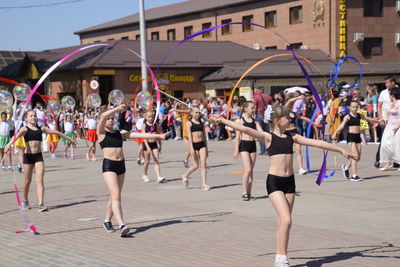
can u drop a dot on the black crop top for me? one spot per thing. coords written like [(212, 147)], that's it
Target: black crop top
[(151, 129), (112, 140), (280, 145), (251, 124), (196, 127), (354, 121), (33, 135)]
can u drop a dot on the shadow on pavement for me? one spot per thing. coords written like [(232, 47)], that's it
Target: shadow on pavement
[(162, 224), (223, 186), (71, 204), (372, 251), (219, 165), (376, 177), (157, 222)]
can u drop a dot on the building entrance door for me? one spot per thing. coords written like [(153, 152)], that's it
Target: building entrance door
[(106, 86)]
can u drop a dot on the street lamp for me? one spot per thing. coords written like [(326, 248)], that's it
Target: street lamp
[(143, 40)]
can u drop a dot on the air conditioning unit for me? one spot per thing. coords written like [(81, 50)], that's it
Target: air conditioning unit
[(358, 37), (398, 7), (257, 46), (397, 39)]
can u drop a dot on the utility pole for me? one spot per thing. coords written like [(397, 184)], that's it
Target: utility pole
[(143, 40)]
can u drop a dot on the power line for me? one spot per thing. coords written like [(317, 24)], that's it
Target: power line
[(41, 5)]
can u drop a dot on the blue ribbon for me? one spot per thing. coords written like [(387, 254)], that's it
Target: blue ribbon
[(333, 75)]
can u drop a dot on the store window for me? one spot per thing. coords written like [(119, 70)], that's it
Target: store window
[(247, 27), (296, 45), (226, 29), (111, 39), (271, 47), (188, 30), (125, 38), (155, 36), (171, 35), (204, 27), (373, 8), (270, 19), (296, 15), (372, 47), (137, 37)]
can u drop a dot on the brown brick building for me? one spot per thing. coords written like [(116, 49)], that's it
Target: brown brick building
[(366, 29)]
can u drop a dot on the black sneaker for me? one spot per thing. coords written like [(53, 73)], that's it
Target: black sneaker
[(109, 227), (345, 170), (19, 168), (376, 164), (124, 230), (356, 178), (245, 197)]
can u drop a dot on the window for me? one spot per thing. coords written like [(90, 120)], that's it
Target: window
[(271, 47), (125, 38), (373, 8), (247, 27), (137, 37), (97, 41), (171, 35), (296, 15), (296, 45), (206, 26), (155, 36), (270, 19), (188, 30), (372, 47), (111, 39), (226, 29)]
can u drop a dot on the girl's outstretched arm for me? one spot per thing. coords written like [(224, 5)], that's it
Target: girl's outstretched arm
[(133, 135), (323, 145), (60, 134), (262, 136)]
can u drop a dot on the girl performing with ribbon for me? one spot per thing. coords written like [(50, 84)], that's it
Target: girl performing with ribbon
[(33, 157), (114, 164), (280, 183), (5, 137), (246, 148), (353, 120), (91, 137), (52, 139), (151, 147), (198, 148), (69, 129)]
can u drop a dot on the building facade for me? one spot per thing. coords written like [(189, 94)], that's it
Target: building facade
[(366, 29)]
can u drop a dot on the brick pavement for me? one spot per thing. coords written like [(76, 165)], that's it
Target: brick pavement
[(340, 223)]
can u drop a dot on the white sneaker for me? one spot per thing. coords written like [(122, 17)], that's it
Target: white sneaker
[(146, 178), (302, 171), (343, 142), (281, 264), (161, 179), (142, 161)]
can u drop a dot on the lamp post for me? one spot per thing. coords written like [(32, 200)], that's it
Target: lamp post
[(143, 40)]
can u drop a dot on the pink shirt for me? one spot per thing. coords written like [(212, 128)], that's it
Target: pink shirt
[(394, 114), (260, 104)]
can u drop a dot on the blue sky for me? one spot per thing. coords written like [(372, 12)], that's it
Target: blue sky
[(47, 27)]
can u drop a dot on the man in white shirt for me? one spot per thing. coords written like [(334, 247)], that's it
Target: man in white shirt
[(384, 108)]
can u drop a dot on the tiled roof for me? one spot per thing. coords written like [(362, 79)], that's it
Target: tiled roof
[(174, 10)]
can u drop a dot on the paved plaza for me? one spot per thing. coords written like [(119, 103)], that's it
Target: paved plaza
[(340, 223)]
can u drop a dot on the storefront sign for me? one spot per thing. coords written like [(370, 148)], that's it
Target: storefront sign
[(343, 28), (94, 84), (165, 77), (246, 92)]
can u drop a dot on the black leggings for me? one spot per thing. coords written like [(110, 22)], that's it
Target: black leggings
[(117, 167), (277, 183)]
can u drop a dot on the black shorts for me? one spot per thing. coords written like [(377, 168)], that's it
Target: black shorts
[(247, 146), (354, 138), (152, 146), (114, 166), (285, 184), (199, 145), (31, 159)]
